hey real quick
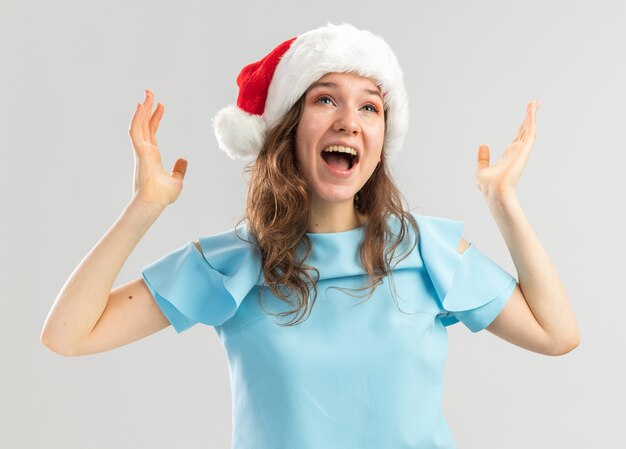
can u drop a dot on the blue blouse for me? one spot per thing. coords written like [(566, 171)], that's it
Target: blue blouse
[(366, 375)]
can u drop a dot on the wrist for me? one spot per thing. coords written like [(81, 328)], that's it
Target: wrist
[(144, 207), (501, 200)]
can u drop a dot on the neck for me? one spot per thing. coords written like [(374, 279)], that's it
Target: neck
[(327, 216)]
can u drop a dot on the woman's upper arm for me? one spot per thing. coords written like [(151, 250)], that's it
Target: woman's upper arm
[(130, 314), (516, 322)]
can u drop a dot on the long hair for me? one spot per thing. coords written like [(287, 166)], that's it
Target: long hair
[(277, 212)]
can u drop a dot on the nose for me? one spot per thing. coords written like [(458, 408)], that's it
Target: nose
[(347, 121)]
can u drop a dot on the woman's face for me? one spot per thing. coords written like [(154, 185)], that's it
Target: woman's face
[(342, 111)]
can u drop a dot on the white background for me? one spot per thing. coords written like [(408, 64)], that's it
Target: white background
[(72, 73)]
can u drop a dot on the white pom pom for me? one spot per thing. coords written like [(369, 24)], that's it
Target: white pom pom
[(239, 134)]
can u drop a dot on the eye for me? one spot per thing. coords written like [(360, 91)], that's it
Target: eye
[(373, 108), (324, 98)]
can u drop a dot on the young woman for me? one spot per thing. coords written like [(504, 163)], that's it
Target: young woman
[(320, 117)]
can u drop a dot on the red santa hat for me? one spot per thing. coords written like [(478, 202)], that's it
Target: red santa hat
[(268, 88)]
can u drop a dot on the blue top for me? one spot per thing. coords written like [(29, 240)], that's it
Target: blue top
[(351, 376)]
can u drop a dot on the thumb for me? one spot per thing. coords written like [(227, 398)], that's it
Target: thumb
[(483, 157), (180, 168)]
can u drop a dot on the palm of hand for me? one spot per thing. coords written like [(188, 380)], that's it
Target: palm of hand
[(502, 177), (152, 183)]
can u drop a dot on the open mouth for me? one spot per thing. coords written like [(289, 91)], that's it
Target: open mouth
[(340, 161)]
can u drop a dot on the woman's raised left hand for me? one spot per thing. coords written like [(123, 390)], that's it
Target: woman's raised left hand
[(501, 178)]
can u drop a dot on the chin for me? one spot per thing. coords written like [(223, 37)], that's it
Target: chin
[(335, 195)]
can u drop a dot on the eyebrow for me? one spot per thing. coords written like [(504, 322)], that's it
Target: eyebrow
[(334, 86)]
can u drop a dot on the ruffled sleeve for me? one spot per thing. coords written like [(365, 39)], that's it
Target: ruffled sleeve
[(192, 288), (470, 287)]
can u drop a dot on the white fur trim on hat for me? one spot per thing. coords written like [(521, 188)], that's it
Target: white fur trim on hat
[(239, 134)]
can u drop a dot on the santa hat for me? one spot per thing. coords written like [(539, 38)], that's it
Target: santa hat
[(269, 87)]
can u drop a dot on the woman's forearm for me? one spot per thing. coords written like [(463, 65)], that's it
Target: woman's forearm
[(538, 279), (85, 294)]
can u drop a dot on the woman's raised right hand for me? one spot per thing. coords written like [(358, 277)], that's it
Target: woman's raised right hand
[(151, 183)]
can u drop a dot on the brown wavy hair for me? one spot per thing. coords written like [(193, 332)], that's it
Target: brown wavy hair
[(277, 214)]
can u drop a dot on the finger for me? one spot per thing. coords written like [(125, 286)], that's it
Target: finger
[(533, 121), (148, 112), (142, 112), (180, 168), (521, 130), (522, 127), (154, 122), (529, 131), (483, 157), (135, 126), (520, 135)]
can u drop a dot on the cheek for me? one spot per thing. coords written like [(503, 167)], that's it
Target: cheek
[(306, 130), (381, 131), (301, 156), (374, 130), (375, 141), (299, 148), (307, 135)]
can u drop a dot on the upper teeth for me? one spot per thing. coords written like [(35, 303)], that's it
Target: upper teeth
[(340, 149)]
